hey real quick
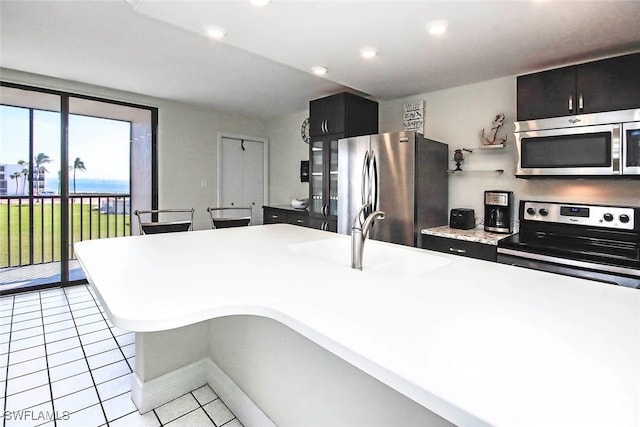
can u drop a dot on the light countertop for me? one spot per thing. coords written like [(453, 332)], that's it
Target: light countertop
[(477, 234), (478, 343)]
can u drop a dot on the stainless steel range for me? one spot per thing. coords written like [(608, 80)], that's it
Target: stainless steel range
[(593, 242)]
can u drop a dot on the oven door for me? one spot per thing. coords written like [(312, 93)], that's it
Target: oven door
[(575, 151), (631, 148), (620, 276)]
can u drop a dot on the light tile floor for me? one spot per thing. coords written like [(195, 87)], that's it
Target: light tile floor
[(62, 363)]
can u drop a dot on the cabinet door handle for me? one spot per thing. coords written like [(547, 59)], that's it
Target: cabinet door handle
[(457, 251), (580, 103), (299, 221), (274, 216), (571, 103)]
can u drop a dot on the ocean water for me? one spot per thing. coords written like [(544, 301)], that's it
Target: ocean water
[(85, 185)]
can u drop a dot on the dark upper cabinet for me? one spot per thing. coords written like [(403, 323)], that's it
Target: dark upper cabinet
[(331, 118), (604, 85), (609, 85), (546, 94), (343, 113)]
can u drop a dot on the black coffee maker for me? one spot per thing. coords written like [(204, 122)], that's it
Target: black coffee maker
[(498, 211)]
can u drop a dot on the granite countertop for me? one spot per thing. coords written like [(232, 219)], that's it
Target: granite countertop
[(477, 234)]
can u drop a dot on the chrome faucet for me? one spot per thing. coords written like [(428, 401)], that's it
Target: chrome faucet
[(359, 232)]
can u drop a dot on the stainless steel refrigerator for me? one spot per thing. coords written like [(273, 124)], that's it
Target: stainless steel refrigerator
[(402, 174)]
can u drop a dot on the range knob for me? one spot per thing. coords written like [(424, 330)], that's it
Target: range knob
[(544, 212), (531, 211), (608, 217), (624, 218)]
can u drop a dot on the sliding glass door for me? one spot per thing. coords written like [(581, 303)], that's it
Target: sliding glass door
[(69, 166), (30, 138)]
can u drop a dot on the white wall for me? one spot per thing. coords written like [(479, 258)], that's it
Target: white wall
[(456, 116), (187, 141), (285, 153)]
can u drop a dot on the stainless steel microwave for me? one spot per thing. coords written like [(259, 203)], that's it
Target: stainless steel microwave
[(598, 144)]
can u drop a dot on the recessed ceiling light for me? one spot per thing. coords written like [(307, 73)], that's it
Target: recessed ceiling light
[(216, 33), (319, 71), (260, 2), (368, 52), (438, 27)]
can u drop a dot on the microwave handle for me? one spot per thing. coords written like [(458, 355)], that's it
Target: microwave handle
[(616, 148)]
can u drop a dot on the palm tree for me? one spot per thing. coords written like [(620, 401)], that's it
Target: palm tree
[(77, 164), (25, 173), (16, 176), (40, 160)]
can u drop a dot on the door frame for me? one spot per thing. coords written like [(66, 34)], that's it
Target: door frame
[(65, 96), (265, 164)]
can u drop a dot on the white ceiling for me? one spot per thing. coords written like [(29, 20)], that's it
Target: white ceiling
[(262, 67)]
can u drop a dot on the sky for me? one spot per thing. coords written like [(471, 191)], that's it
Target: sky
[(102, 144)]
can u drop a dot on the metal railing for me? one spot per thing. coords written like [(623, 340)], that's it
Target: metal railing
[(30, 231)]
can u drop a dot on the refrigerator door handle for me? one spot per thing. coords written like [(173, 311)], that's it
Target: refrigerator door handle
[(374, 184), (365, 178)]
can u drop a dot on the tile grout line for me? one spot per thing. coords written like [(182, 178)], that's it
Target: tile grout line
[(111, 331), (104, 318), (6, 375), (70, 301), (95, 386), (46, 361), (201, 406)]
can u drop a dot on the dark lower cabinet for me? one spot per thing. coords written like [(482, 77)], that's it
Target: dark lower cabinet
[(285, 215), (460, 247), (288, 215), (323, 224)]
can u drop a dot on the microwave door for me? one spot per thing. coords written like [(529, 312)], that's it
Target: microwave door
[(631, 148), (578, 151)]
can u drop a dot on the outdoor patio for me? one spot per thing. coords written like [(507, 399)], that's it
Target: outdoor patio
[(15, 278)]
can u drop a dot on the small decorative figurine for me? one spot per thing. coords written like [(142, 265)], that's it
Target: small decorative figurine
[(491, 137), (458, 157)]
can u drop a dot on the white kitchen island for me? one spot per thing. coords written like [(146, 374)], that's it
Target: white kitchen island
[(271, 315)]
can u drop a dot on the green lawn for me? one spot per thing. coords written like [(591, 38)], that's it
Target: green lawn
[(85, 223)]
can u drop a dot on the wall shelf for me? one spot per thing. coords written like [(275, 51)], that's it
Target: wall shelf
[(476, 170), (481, 148), (484, 147)]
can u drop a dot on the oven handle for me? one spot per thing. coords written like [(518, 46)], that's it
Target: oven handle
[(574, 263)]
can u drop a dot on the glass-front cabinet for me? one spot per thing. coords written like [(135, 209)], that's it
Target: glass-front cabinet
[(333, 177), (331, 118), (323, 181), (316, 177)]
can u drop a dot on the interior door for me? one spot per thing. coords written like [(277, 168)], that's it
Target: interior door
[(242, 174)]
